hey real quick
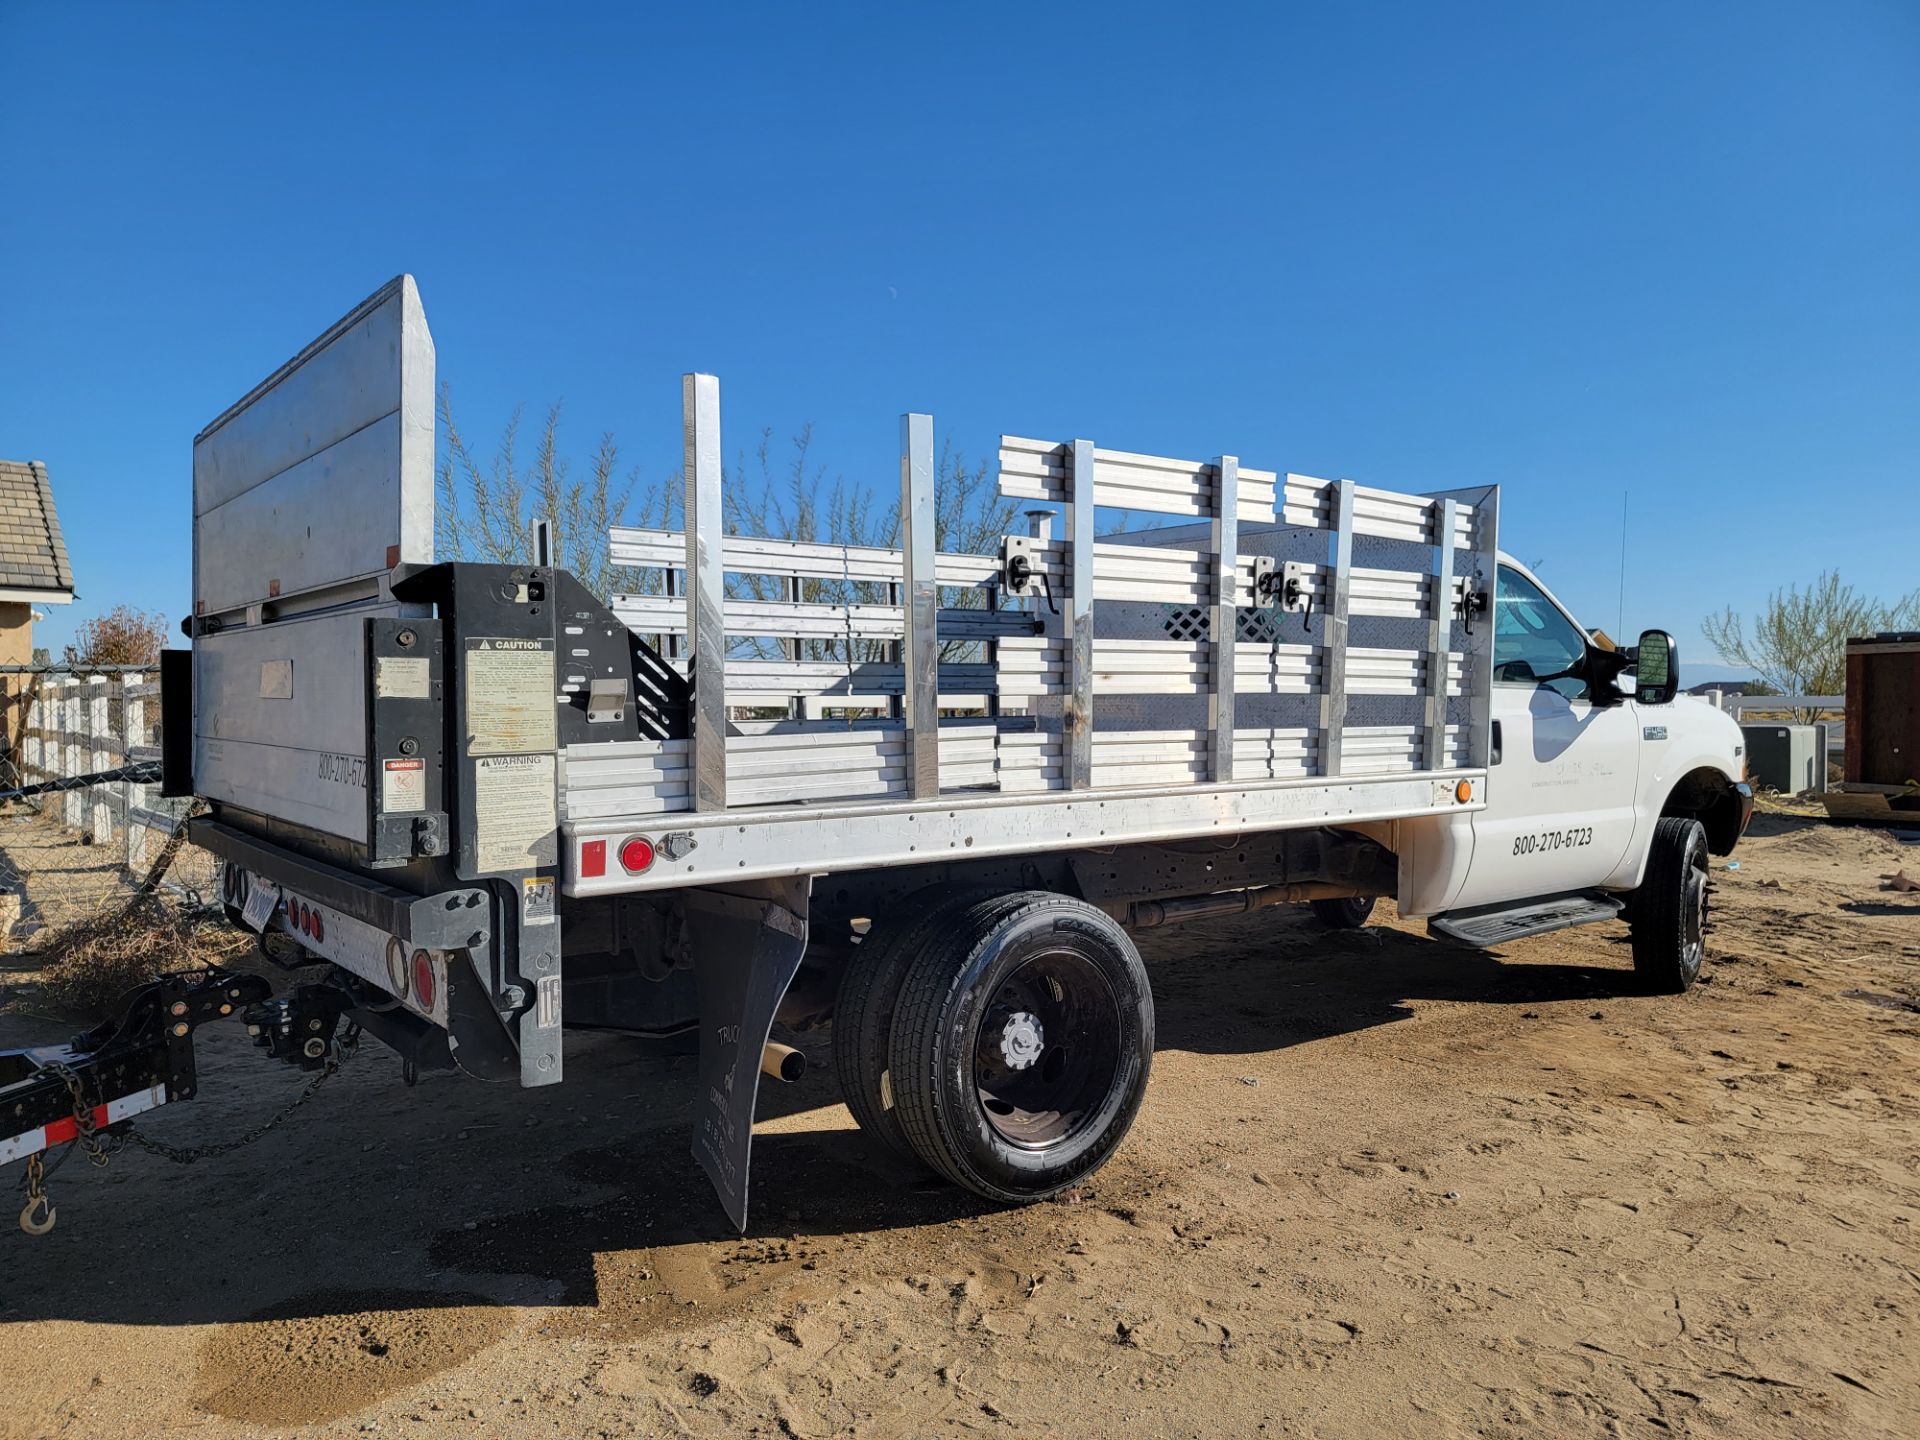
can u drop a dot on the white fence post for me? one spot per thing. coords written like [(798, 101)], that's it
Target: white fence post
[(133, 731), (31, 750), (73, 807), (99, 733)]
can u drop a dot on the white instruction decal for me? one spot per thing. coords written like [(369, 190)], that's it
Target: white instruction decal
[(403, 786), (514, 812), (510, 695), (261, 900), (401, 677), (276, 680), (538, 893)]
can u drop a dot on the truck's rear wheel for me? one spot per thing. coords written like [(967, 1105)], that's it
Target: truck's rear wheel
[(1669, 910), (1349, 912), (869, 991), (1021, 1045)]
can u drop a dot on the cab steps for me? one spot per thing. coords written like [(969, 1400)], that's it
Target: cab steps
[(1484, 926)]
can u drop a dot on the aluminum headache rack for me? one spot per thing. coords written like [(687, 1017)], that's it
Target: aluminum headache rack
[(864, 705)]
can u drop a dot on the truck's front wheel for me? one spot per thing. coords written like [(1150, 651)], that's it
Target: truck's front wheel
[(1349, 912), (1669, 910), (1021, 1045)]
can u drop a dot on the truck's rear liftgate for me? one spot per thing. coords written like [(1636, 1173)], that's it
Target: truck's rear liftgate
[(498, 805)]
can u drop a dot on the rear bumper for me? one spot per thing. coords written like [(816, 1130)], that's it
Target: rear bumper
[(451, 920)]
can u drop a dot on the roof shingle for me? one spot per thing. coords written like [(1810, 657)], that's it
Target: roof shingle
[(33, 554)]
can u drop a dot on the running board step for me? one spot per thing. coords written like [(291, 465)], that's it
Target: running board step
[(1485, 926)]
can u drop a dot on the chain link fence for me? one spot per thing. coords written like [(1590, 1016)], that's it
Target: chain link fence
[(82, 820)]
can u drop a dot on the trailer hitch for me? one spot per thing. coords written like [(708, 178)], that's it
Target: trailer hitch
[(103, 1077)]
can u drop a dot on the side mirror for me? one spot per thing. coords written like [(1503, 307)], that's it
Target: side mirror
[(1656, 668)]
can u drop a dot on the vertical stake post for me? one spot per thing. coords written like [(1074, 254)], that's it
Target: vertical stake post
[(1333, 669), (1077, 717), (920, 596), (706, 590), (1486, 548), (1444, 514), (1225, 629)]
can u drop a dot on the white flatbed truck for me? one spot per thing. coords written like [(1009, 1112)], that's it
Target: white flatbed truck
[(922, 796)]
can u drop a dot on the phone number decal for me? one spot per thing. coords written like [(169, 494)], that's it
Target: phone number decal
[(1553, 840)]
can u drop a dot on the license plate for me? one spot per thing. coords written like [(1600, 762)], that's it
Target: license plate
[(261, 899)]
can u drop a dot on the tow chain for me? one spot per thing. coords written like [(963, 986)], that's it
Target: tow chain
[(37, 1216)]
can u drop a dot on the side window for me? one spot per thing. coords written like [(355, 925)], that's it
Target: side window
[(1531, 638)]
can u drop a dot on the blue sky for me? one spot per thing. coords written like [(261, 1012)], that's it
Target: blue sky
[(1666, 249)]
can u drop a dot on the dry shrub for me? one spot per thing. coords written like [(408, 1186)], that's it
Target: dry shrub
[(123, 636), (89, 967)]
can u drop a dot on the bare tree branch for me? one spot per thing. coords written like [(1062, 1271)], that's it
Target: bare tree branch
[(1798, 641)]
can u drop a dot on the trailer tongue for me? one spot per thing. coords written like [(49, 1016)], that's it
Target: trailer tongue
[(497, 804)]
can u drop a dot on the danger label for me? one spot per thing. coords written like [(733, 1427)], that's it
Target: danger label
[(510, 695), (403, 786)]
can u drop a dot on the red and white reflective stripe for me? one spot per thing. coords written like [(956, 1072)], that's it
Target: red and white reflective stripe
[(61, 1131)]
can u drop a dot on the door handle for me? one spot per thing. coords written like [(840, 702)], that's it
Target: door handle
[(1493, 756)]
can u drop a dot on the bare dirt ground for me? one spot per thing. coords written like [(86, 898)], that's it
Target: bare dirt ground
[(1379, 1187)]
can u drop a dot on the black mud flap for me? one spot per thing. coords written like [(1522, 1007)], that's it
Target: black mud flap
[(747, 943)]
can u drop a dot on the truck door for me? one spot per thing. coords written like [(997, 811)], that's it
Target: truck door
[(1560, 791)]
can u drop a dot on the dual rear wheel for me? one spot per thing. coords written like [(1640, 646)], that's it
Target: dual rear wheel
[(1004, 1040)]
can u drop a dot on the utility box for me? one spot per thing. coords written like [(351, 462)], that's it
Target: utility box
[(1883, 710), (1785, 758)]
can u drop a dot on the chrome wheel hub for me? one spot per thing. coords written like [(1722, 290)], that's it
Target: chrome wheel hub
[(1023, 1040)]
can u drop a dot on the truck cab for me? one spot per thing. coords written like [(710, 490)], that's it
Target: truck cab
[(1597, 771)]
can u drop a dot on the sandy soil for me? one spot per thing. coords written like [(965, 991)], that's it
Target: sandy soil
[(1379, 1187)]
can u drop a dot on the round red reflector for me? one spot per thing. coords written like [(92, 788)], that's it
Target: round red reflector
[(423, 979), (636, 854), (319, 925)]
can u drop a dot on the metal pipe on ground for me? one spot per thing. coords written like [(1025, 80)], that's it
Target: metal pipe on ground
[(1149, 914)]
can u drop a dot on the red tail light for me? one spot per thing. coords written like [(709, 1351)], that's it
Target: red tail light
[(636, 854), (423, 979)]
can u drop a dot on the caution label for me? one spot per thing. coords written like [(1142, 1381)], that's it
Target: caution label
[(515, 812), (510, 695), (403, 786)]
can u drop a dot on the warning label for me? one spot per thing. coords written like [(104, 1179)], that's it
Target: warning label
[(403, 786), (510, 695), (514, 812), (538, 893)]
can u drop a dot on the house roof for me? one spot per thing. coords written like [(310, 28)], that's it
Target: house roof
[(33, 554)]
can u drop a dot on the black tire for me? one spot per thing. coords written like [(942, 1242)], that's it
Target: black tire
[(869, 991), (1349, 912), (1023, 1114), (1669, 910)]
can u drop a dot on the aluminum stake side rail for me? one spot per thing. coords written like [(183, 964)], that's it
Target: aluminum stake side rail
[(783, 780)]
